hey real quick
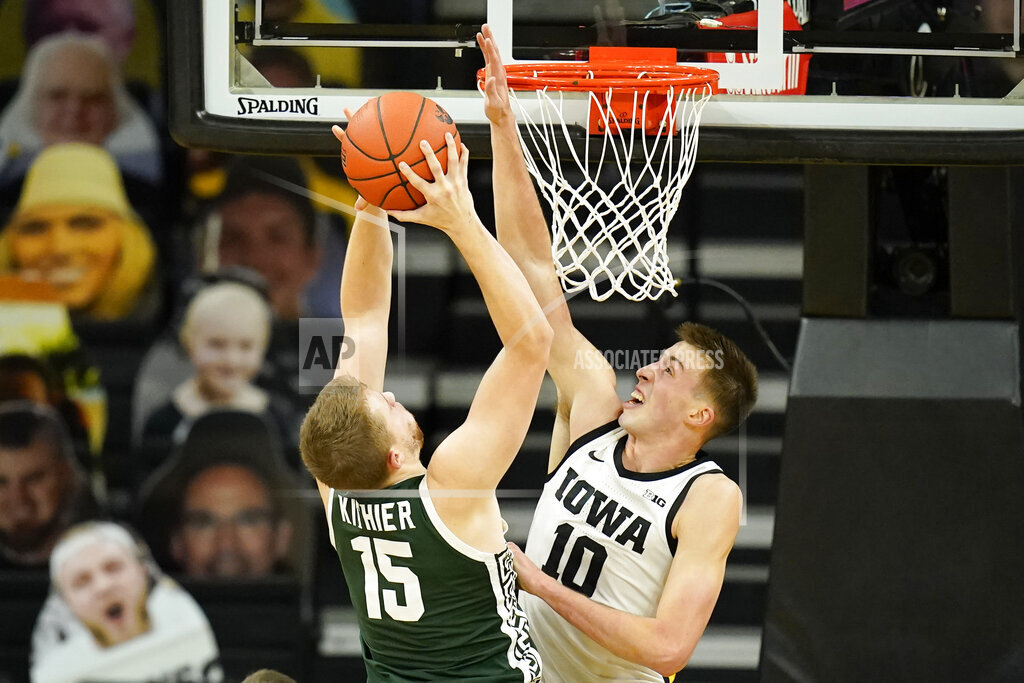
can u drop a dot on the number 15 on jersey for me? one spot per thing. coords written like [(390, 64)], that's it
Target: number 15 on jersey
[(376, 554)]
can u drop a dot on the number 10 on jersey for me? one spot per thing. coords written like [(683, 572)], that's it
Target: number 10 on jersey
[(581, 547)]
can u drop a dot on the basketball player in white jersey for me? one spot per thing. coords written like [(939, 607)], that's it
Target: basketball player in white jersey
[(627, 551)]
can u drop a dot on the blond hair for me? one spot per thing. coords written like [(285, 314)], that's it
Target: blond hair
[(223, 298), (343, 444), (730, 382), (87, 533), (80, 174)]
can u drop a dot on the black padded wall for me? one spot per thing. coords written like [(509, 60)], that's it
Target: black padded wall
[(899, 534), (899, 531), (838, 232)]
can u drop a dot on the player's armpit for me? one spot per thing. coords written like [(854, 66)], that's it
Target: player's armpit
[(559, 436), (585, 381)]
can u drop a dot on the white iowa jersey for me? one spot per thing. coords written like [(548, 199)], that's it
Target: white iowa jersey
[(604, 532)]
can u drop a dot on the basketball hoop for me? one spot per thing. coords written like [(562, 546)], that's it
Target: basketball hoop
[(644, 106)]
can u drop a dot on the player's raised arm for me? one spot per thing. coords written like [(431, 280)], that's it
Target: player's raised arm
[(579, 370), (504, 403), (365, 297), (366, 293)]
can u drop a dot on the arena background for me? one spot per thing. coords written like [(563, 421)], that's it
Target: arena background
[(882, 466)]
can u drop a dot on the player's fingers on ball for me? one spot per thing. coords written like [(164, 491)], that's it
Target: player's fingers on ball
[(461, 154), (361, 203), (414, 178), (338, 133), (463, 161), (453, 150), (432, 162)]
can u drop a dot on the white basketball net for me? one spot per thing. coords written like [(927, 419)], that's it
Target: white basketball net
[(615, 239)]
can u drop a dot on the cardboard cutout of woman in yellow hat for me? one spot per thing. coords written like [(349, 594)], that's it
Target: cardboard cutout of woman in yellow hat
[(75, 234)]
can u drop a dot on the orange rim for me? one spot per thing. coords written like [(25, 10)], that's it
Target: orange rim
[(600, 76)]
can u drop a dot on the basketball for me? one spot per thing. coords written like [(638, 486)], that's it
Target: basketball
[(386, 131)]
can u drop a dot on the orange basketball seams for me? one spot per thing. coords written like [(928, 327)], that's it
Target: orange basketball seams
[(385, 132)]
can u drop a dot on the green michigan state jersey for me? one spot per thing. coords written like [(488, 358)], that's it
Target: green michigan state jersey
[(430, 607)]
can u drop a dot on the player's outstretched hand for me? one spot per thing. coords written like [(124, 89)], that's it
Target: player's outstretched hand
[(530, 575), (449, 204), (496, 102), (339, 133)]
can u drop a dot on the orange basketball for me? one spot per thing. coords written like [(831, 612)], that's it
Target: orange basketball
[(385, 131)]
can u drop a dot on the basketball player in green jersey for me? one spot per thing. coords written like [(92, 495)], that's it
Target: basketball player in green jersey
[(423, 547), (627, 551)]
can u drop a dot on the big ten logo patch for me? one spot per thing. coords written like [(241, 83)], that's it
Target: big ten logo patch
[(325, 344), (655, 498)]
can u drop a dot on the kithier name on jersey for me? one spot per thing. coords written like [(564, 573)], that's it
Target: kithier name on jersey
[(605, 514), (389, 516)]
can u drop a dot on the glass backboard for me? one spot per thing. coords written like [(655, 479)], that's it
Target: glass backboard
[(889, 81)]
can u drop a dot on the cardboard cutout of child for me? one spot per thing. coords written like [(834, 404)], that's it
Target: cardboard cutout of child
[(225, 333)]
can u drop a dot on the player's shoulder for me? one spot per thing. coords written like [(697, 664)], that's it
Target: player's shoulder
[(711, 495), (710, 511), (715, 486)]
